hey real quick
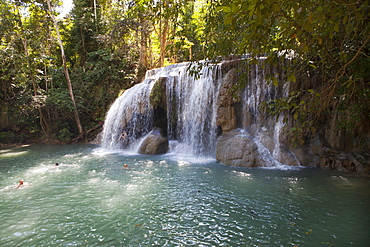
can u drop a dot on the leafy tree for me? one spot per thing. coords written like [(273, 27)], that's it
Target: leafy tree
[(66, 73), (85, 30), (326, 37), (24, 39), (151, 28)]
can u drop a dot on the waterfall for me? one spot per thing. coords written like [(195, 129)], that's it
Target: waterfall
[(194, 109), (129, 118), (191, 113), (193, 106)]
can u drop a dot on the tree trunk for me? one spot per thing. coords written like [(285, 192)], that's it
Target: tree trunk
[(66, 73), (163, 41), (143, 59)]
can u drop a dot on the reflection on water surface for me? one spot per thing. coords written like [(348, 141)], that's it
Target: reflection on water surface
[(91, 200)]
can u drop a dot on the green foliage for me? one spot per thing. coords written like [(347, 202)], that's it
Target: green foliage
[(59, 100), (84, 32), (65, 135), (109, 43), (6, 137), (95, 87), (36, 82), (353, 110), (9, 137), (331, 37), (297, 110)]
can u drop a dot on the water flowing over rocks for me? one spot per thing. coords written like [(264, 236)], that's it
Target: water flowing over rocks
[(234, 149), (208, 117), (154, 143)]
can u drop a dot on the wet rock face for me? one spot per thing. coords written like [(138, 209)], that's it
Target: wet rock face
[(241, 110), (158, 101), (227, 114), (234, 149), (348, 162), (154, 143), (219, 114), (328, 148)]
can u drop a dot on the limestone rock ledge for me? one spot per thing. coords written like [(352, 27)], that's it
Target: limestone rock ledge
[(347, 162)]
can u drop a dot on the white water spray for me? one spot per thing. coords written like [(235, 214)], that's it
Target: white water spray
[(129, 117), (191, 112)]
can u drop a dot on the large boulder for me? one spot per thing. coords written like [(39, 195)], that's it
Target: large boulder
[(234, 149), (154, 143)]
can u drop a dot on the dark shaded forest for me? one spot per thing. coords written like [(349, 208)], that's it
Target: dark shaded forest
[(59, 75)]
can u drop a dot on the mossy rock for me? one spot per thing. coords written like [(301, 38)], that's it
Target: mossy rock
[(158, 93)]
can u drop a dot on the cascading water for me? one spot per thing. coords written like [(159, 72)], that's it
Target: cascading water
[(192, 105), (191, 113), (129, 118)]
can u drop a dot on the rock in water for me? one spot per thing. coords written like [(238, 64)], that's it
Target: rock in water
[(238, 150), (154, 143)]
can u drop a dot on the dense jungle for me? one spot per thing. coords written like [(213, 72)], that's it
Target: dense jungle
[(60, 74)]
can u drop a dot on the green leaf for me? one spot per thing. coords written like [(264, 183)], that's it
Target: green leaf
[(233, 7), (295, 115), (336, 27), (345, 18), (292, 78), (251, 10), (275, 81), (225, 9), (275, 8), (229, 19)]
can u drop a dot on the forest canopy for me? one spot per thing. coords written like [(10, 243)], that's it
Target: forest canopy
[(109, 44)]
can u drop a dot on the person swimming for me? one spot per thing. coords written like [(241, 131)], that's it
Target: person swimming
[(21, 183), (125, 166), (56, 164)]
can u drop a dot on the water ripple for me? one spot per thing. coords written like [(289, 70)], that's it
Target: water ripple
[(91, 201)]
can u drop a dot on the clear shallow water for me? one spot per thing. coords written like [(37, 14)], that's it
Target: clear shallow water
[(90, 200)]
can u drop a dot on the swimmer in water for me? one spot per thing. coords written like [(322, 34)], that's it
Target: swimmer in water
[(56, 164), (125, 166), (21, 183)]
